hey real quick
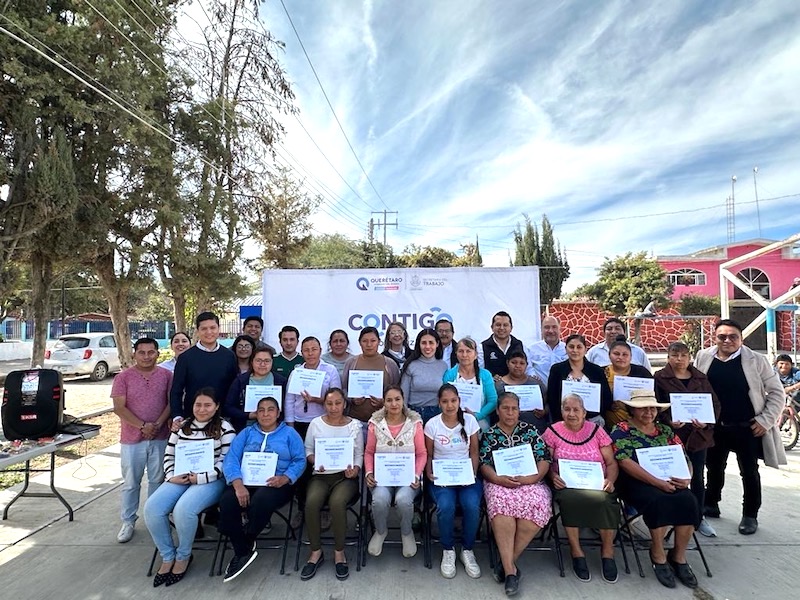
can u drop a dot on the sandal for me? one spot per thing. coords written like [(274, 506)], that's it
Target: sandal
[(663, 573)]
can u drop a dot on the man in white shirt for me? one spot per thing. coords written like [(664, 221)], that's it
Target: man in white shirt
[(611, 329), (546, 352)]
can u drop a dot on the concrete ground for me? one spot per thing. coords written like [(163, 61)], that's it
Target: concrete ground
[(42, 555)]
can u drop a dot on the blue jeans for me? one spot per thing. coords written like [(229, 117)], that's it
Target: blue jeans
[(446, 498), (185, 502), (134, 458)]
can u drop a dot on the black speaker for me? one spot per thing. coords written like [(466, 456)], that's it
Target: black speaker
[(33, 404)]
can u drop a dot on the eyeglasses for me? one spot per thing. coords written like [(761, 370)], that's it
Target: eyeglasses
[(243, 346), (262, 361), (722, 337), (443, 331)]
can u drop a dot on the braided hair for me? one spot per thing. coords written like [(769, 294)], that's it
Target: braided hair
[(449, 387)]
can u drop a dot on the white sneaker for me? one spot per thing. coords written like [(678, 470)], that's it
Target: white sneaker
[(125, 533), (409, 545), (470, 564), (375, 546), (448, 567), (706, 529)]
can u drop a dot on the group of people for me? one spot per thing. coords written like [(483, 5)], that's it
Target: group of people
[(421, 412)]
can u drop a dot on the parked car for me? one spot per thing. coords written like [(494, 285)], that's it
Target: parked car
[(92, 354)]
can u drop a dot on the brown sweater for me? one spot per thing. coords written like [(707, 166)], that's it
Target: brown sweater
[(666, 382), (391, 376)]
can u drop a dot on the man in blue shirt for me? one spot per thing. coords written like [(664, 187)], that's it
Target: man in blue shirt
[(789, 376)]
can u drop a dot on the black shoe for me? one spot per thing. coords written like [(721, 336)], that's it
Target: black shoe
[(310, 569), (342, 571), (499, 573), (173, 578), (581, 569), (712, 511), (663, 573), (238, 564), (160, 579), (683, 572), (610, 574), (512, 585), (748, 525)]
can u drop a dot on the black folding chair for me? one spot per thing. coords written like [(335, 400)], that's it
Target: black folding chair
[(545, 541), (204, 542), (369, 523)]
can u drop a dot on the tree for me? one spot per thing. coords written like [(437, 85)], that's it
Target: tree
[(542, 251), (331, 251), (427, 256), (696, 305), (470, 255)]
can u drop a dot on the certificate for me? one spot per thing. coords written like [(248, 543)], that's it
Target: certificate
[(514, 462), (686, 407), (334, 454), (623, 386), (530, 396), (453, 471), (194, 457), (471, 395), (581, 474), (590, 392), (395, 469), (664, 461), (306, 380), (363, 384), (253, 393), (257, 467)]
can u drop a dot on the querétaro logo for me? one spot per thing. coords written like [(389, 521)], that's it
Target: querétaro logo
[(379, 284), (362, 283)]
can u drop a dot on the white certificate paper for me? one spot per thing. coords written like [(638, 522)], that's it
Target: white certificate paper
[(453, 471), (253, 393), (514, 462), (581, 474), (363, 384), (664, 462), (623, 386), (194, 456), (394, 469), (257, 467), (686, 407), (334, 454), (306, 380), (590, 392), (530, 396), (471, 395)]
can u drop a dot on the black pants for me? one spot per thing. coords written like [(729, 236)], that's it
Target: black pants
[(740, 440), (698, 486), (242, 525)]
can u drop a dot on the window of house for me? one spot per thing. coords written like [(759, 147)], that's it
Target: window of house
[(685, 277), (756, 280)]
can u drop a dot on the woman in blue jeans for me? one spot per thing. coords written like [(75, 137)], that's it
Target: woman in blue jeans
[(186, 495), (453, 435)]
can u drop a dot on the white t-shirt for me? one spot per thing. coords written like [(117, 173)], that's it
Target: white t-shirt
[(447, 442)]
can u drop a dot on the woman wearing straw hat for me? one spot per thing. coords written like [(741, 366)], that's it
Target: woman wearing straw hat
[(662, 502)]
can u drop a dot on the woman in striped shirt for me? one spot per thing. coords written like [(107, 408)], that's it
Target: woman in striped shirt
[(186, 495)]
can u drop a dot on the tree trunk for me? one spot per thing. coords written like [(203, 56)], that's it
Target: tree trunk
[(116, 291), (41, 282), (179, 309)]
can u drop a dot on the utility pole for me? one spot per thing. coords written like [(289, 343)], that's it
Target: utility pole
[(371, 231), (384, 223)]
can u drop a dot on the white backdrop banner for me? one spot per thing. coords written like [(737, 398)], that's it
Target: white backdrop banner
[(317, 301)]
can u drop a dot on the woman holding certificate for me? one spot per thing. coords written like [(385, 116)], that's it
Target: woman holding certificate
[(468, 373), (451, 443), (680, 377), (580, 373), (262, 466), (517, 362), (584, 472), (259, 374), (394, 460), (202, 443), (335, 446), (514, 463), (422, 373), (654, 479), (620, 354), (367, 368)]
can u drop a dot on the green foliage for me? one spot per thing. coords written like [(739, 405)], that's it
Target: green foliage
[(696, 305), (542, 250), (470, 255), (627, 283), (427, 256)]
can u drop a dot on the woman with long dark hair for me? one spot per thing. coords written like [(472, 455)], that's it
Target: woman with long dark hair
[(422, 374)]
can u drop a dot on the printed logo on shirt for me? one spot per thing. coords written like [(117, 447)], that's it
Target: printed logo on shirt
[(450, 441)]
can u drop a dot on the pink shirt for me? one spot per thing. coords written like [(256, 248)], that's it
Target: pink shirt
[(146, 395), (590, 451), (420, 454)]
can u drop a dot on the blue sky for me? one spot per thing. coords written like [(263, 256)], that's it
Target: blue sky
[(603, 115)]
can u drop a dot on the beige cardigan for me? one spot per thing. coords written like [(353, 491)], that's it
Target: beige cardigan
[(766, 396)]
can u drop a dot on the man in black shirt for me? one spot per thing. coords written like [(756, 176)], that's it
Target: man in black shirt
[(494, 349), (751, 398)]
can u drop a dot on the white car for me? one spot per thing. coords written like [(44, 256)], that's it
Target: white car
[(92, 354)]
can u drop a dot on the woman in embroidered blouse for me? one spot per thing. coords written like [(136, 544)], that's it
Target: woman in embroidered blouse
[(468, 371), (577, 368), (369, 360), (186, 495), (394, 428), (620, 354), (576, 439), (246, 509), (662, 503), (260, 373), (518, 506)]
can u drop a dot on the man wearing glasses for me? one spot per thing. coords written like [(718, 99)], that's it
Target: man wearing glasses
[(446, 331), (751, 398)]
